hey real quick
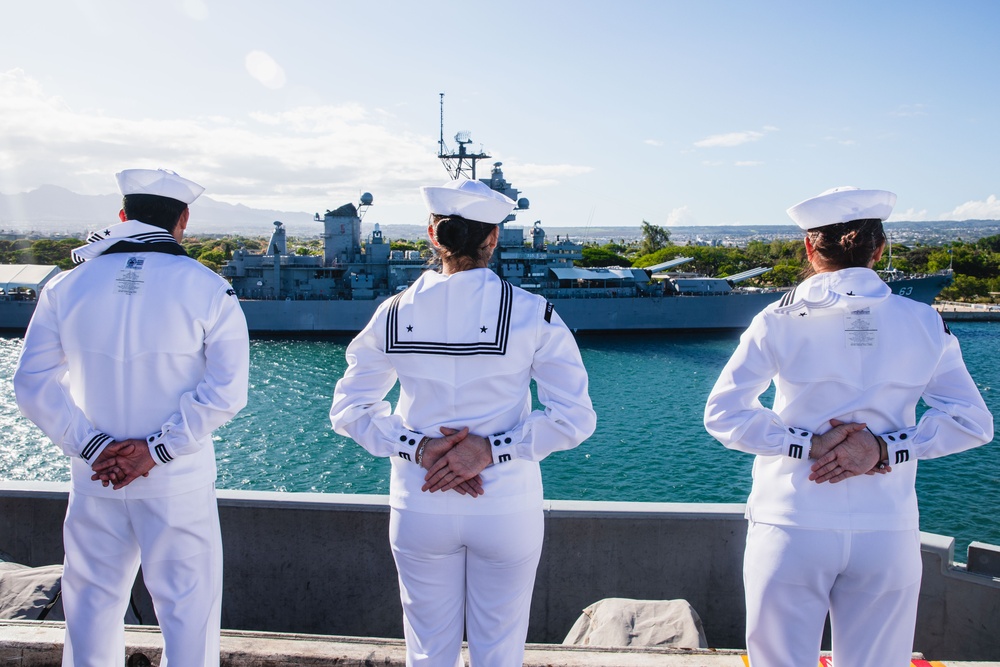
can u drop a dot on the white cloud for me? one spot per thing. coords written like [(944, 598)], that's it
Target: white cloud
[(838, 140), (195, 9), (653, 142), (729, 140), (909, 110), (909, 215), (263, 67), (301, 159), (681, 217), (748, 163), (541, 175), (976, 210)]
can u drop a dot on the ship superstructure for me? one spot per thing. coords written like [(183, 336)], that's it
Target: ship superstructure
[(348, 270), (339, 290)]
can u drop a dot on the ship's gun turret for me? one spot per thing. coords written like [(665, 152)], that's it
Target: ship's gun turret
[(747, 275)]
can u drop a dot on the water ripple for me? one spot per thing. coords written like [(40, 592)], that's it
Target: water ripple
[(649, 394)]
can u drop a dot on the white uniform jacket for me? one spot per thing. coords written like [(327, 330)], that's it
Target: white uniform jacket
[(842, 346), (465, 348), (136, 345)]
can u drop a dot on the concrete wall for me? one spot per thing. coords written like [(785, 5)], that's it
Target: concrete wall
[(320, 563)]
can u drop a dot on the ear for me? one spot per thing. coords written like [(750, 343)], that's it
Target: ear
[(182, 223), (810, 249), (878, 254), (430, 235), (122, 216), (494, 237)]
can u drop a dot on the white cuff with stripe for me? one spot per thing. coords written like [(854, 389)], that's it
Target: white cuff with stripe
[(158, 449)]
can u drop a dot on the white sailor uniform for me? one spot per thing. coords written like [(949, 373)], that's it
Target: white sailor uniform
[(841, 346), (465, 348), (138, 345)]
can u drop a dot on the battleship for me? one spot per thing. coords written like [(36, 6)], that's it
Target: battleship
[(339, 291)]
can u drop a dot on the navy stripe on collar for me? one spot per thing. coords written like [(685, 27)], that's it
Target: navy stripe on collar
[(498, 346)]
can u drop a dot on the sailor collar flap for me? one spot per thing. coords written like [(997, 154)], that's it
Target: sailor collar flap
[(432, 318), (134, 235), (835, 291)]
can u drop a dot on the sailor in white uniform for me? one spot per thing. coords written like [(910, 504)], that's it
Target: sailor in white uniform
[(466, 489), (130, 362), (849, 361)]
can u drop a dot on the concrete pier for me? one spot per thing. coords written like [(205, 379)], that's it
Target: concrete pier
[(39, 644), (320, 564), (956, 311)]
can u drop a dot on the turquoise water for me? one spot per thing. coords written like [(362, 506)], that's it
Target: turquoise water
[(648, 391)]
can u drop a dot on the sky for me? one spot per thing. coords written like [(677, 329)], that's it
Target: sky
[(603, 113)]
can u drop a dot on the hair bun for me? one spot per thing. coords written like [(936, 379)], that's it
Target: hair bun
[(851, 240), (452, 234)]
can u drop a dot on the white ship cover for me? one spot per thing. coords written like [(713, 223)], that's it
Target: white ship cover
[(30, 276)]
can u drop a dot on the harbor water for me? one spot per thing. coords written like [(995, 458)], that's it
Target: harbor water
[(649, 393)]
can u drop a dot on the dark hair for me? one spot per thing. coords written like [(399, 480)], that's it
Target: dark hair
[(461, 239), (847, 244), (153, 210)]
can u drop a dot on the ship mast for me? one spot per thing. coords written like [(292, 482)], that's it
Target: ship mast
[(461, 164)]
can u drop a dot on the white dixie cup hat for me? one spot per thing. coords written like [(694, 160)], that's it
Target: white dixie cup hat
[(842, 204), (160, 182), (468, 199)]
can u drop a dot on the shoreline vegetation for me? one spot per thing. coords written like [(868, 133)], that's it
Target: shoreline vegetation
[(976, 264)]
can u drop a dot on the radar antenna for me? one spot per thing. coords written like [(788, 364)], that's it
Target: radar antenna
[(460, 164), (365, 201)]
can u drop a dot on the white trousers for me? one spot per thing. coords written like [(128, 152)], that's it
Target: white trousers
[(868, 581), (178, 541), (465, 572)]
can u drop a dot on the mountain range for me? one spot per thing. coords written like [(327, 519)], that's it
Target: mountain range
[(52, 209)]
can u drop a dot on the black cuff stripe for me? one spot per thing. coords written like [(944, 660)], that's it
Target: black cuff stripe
[(94, 444), (162, 453)]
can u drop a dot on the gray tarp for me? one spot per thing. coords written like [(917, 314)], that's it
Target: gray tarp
[(26, 592), (623, 622)]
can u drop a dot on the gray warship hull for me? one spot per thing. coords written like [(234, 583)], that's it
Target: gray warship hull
[(15, 315), (684, 312), (729, 311), (581, 315)]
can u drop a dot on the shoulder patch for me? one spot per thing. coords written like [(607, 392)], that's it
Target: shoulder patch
[(548, 311), (231, 292), (945, 325)]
